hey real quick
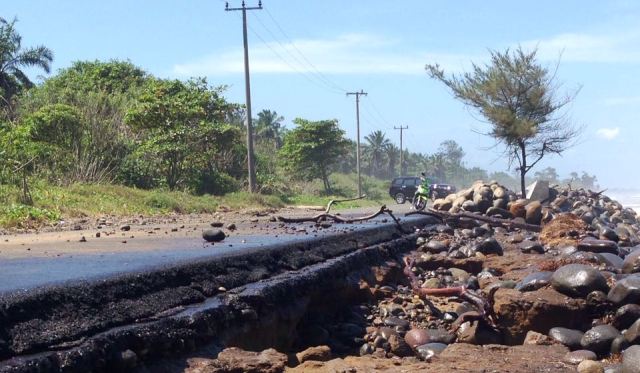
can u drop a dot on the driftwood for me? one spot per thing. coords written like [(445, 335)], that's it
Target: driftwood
[(339, 219), (333, 201), (494, 222)]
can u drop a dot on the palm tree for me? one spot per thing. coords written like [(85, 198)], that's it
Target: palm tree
[(13, 58), (377, 145), (393, 155), (269, 127)]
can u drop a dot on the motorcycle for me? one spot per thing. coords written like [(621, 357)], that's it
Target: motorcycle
[(420, 198)]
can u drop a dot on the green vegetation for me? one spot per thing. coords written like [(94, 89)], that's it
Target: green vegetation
[(519, 98), (107, 138)]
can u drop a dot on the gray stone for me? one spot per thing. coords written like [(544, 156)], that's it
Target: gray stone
[(598, 246), (631, 360), (578, 280), (632, 334), (598, 339), (429, 350), (590, 366), (396, 322), (490, 246), (625, 316), (499, 212), (529, 247), (213, 235), (538, 191), (631, 262), (436, 246), (576, 357), (619, 344), (625, 291), (612, 260), (534, 281), (568, 337)]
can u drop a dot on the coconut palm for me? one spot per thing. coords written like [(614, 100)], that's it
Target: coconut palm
[(393, 155), (377, 144), (13, 58), (269, 127)]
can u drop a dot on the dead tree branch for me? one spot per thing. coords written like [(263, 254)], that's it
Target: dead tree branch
[(494, 222), (342, 200)]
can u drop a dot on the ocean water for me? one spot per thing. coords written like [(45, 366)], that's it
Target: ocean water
[(628, 198)]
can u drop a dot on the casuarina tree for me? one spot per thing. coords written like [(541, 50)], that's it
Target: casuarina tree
[(520, 99)]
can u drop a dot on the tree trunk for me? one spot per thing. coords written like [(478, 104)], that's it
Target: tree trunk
[(325, 180), (523, 170)]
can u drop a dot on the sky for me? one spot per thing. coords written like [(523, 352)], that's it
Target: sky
[(306, 54)]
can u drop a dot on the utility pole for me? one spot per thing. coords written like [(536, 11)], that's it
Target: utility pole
[(401, 152), (251, 164), (358, 94)]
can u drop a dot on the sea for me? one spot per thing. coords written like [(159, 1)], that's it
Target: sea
[(627, 197)]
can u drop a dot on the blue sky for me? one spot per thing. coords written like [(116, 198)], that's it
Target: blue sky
[(305, 54)]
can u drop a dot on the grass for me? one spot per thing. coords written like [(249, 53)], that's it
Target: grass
[(52, 203)]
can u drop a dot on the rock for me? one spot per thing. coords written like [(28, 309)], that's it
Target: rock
[(568, 337), (442, 204), (217, 224), (231, 226), (314, 335), (460, 274), (535, 338), (609, 234), (539, 310), (213, 235), (578, 356), (590, 366), (127, 360), (619, 344), (366, 349), (517, 208), (631, 262), (125, 227), (534, 281), (625, 291), (499, 212), (598, 339), (625, 316), (234, 359), (631, 360), (612, 260), (632, 334), (396, 322), (317, 353), (529, 247), (475, 333), (578, 280), (417, 337), (598, 246), (538, 190), (436, 246), (398, 346), (533, 212), (490, 246), (427, 351)]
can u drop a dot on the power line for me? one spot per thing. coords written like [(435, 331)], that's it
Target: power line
[(358, 94), (302, 54), (401, 155)]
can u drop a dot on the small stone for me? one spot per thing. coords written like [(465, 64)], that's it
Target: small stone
[(97, 234), (427, 351), (366, 349), (568, 337), (534, 281), (125, 227), (576, 357), (317, 353), (578, 280), (535, 338), (625, 316), (231, 226), (631, 359), (213, 235), (598, 339), (598, 246), (590, 366), (83, 239), (217, 224), (625, 291)]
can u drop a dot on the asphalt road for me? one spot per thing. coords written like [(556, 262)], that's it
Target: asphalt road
[(35, 260)]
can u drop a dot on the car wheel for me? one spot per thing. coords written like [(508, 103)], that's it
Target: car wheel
[(400, 198)]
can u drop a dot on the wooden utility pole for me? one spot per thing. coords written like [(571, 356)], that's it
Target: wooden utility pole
[(401, 152), (358, 94), (251, 164)]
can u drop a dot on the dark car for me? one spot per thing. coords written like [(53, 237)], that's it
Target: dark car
[(403, 188)]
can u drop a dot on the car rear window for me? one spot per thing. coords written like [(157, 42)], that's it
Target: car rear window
[(397, 182), (410, 182)]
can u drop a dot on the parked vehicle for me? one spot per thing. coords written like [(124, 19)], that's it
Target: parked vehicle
[(404, 187)]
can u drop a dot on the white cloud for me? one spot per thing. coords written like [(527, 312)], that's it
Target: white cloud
[(608, 133), (589, 47), (620, 101), (345, 54)]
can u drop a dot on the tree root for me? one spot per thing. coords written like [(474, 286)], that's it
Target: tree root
[(483, 305)]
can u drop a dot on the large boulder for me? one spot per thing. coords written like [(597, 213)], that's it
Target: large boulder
[(578, 280), (539, 311), (626, 291)]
